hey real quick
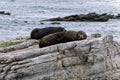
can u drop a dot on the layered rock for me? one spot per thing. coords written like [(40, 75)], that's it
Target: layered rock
[(85, 17), (23, 45), (90, 59)]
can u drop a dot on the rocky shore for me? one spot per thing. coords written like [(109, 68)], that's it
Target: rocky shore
[(86, 17), (95, 58)]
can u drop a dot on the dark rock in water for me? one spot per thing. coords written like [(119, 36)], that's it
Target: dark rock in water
[(111, 16), (41, 23), (101, 18), (108, 16), (26, 21), (7, 13), (54, 19), (118, 16), (86, 17), (4, 13), (38, 33), (92, 15), (55, 23)]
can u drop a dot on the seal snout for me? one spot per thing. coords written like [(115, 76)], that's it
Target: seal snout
[(81, 35)]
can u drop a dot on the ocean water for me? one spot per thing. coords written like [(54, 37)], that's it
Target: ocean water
[(27, 15)]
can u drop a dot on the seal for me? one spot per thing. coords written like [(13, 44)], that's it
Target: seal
[(38, 33), (62, 37)]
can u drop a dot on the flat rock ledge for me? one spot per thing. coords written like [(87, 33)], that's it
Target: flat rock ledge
[(90, 59), (23, 45)]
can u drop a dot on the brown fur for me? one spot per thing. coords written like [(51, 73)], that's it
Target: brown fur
[(62, 37)]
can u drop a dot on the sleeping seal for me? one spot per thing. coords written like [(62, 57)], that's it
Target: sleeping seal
[(38, 33), (62, 37)]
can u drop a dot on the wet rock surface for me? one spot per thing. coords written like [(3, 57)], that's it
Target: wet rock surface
[(86, 17)]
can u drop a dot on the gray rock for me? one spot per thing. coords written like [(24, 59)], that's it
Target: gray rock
[(22, 45), (96, 35), (90, 59)]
